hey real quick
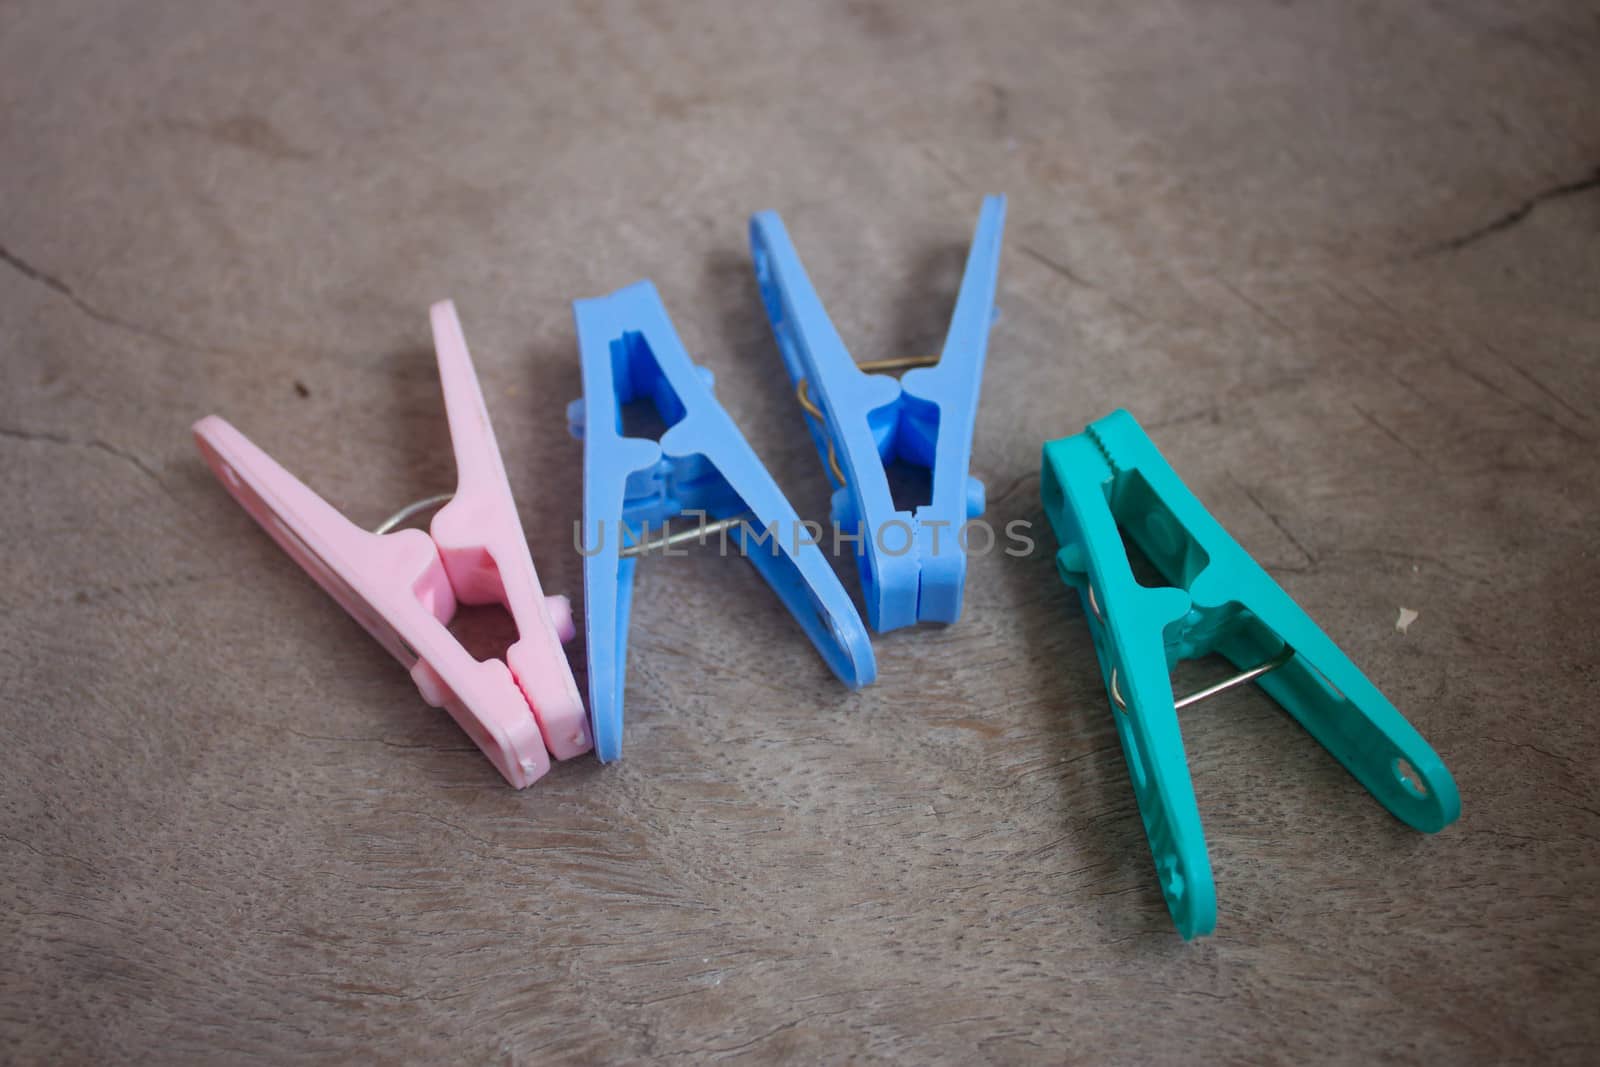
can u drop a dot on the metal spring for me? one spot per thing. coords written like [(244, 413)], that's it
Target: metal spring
[(869, 367)]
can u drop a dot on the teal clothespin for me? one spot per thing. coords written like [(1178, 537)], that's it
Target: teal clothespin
[(1110, 483)]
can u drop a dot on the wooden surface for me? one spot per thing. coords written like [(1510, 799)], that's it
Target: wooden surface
[(1341, 259)]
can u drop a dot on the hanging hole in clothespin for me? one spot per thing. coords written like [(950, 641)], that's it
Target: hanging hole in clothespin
[(1408, 776)]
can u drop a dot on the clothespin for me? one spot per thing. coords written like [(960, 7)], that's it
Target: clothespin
[(701, 465), (403, 587), (913, 564), (1109, 485)]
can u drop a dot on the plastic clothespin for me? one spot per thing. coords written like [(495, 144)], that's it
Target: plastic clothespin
[(701, 464), (913, 565), (1108, 484), (403, 587)]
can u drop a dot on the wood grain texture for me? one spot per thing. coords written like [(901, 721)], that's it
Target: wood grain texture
[(1341, 260)]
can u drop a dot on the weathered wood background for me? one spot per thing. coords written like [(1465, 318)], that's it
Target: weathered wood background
[(1343, 260)]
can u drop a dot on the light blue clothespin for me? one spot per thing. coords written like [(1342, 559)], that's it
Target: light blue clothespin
[(1110, 483), (701, 465), (913, 564)]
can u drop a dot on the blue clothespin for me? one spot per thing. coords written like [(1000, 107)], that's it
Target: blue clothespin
[(1110, 483), (701, 464), (913, 566)]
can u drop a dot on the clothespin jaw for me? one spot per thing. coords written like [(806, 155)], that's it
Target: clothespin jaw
[(1109, 487), (701, 465), (486, 555), (912, 563), (403, 587)]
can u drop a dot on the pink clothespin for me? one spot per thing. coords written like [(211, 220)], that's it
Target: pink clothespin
[(403, 587)]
